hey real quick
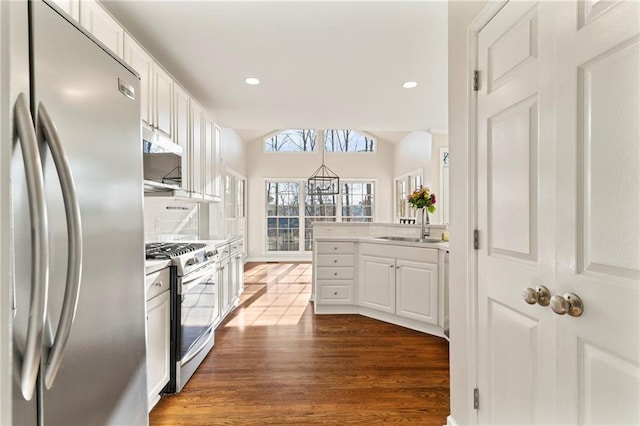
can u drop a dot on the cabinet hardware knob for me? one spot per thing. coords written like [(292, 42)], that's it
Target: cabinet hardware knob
[(568, 303), (335, 274), (335, 260), (335, 293), (159, 284), (540, 295)]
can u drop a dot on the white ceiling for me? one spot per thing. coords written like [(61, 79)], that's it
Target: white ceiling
[(321, 64)]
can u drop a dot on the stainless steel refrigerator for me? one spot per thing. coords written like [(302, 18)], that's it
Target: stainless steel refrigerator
[(77, 242)]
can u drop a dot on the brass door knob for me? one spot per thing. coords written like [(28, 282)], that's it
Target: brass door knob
[(569, 303), (540, 295)]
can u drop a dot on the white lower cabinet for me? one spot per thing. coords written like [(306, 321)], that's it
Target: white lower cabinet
[(417, 290), (334, 272), (378, 283), (230, 276), (158, 334), (396, 283), (405, 285)]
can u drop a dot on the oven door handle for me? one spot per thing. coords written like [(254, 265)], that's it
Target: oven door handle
[(200, 273), (201, 346), (47, 131)]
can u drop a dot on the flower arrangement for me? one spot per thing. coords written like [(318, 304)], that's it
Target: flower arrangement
[(421, 198)]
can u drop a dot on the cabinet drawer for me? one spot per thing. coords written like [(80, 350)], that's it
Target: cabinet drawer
[(334, 260), (223, 251), (326, 247), (236, 247), (157, 282), (334, 273), (336, 293)]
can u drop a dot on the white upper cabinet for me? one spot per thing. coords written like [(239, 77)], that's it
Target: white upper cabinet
[(141, 61), (163, 102), (196, 151), (208, 159), (103, 27), (72, 7), (211, 161), (181, 131)]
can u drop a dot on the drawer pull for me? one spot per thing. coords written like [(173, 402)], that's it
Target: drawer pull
[(335, 293), (335, 248), (159, 284), (335, 260), (335, 274)]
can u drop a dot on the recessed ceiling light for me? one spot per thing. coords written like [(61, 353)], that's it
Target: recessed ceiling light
[(409, 84), (252, 81)]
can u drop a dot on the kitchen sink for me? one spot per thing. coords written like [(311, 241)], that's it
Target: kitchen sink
[(412, 239)]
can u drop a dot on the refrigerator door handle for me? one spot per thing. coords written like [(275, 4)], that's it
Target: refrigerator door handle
[(48, 132), (39, 247)]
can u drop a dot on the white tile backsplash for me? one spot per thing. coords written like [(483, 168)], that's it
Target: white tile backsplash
[(166, 219)]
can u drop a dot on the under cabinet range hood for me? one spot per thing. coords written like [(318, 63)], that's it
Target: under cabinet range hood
[(162, 166), (162, 160)]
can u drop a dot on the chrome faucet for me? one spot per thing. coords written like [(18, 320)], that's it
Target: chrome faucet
[(425, 233)]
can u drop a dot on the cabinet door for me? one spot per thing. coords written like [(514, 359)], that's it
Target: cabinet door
[(163, 101), (196, 149), (234, 276), (216, 163), (225, 290), (71, 7), (377, 283), (103, 27), (181, 132), (417, 291), (208, 157), (158, 338), (139, 60)]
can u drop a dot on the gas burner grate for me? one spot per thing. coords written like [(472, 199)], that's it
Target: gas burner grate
[(170, 250)]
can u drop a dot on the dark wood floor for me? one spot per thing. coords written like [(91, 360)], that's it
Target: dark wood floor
[(328, 369)]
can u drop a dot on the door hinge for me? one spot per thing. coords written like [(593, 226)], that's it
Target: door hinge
[(476, 399), (476, 239), (476, 80)]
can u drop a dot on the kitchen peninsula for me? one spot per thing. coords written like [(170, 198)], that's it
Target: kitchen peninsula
[(383, 271)]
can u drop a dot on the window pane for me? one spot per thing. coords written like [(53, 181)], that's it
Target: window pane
[(347, 141), (357, 201), (282, 216), (292, 140)]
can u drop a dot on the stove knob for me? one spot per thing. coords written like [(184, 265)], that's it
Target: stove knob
[(191, 261), (210, 253)]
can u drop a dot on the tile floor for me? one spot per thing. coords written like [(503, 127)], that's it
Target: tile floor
[(274, 294)]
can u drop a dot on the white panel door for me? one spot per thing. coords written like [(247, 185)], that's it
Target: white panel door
[(377, 283), (598, 220), (559, 203), (515, 205)]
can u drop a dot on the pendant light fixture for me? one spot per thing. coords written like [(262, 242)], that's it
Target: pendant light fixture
[(323, 181)]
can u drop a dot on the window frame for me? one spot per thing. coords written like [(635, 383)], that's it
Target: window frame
[(302, 217), (316, 149)]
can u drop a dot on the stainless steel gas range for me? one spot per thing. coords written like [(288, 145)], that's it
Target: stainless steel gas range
[(194, 304)]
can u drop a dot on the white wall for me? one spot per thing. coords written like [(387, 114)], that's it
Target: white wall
[(413, 152), (462, 379), (262, 166), (419, 150), (438, 140), (232, 151)]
